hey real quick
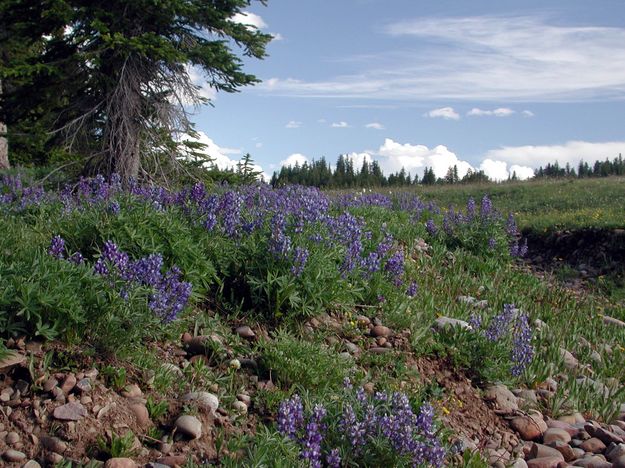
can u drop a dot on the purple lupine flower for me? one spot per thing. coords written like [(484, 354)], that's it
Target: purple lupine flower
[(114, 207), (300, 257), (500, 324), (291, 417), (511, 227), (430, 227), (412, 289), (313, 437), (333, 459), (492, 243), (522, 349), (523, 249), (57, 247), (353, 430), (395, 267), (471, 208), (76, 258), (475, 321), (514, 250), (487, 207)]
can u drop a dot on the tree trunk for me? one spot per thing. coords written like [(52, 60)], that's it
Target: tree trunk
[(4, 144)]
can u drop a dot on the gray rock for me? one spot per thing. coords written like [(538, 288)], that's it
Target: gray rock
[(503, 398), (69, 383), (53, 444), (245, 332), (31, 464), (189, 426), (172, 369), (519, 463), (70, 412), (592, 462), (352, 348), (84, 385), (615, 451), (239, 407), (442, 323), (380, 330), (119, 463), (205, 400), (11, 360), (542, 451), (556, 434), (613, 321), (570, 362), (12, 438)]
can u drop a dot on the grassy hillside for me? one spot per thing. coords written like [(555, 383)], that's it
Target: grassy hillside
[(258, 327)]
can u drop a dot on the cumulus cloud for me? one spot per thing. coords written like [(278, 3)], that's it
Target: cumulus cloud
[(480, 58), (340, 124), (358, 158), (249, 19), (498, 170), (571, 152), (444, 112), (220, 155), (293, 159), (414, 158), (293, 124), (499, 112), (375, 126)]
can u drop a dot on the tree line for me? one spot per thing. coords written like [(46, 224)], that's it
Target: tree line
[(615, 167)]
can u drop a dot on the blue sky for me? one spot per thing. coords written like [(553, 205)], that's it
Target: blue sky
[(499, 85)]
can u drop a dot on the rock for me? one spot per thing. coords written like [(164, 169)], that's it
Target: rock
[(596, 357), (141, 414), (68, 384), (618, 462), (494, 456), (50, 384), (363, 320), (239, 407), (519, 463), (245, 398), (503, 398), (378, 350), (593, 445), (544, 462), (556, 434), (53, 458), (542, 451), (173, 460), (205, 400), (352, 348), (380, 331), (11, 360), (556, 424), (607, 437), (592, 462), (12, 438), (31, 464), (70, 412), (578, 452), (84, 385), (470, 300), (53, 444), (443, 323), (189, 426), (119, 463), (528, 396), (205, 344), (132, 391), (245, 332), (551, 384), (570, 362), (14, 456), (529, 427), (615, 451), (613, 321), (565, 449)]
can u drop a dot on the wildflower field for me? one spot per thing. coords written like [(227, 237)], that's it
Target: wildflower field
[(259, 326)]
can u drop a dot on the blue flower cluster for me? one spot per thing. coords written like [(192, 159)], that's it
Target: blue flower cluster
[(364, 424)]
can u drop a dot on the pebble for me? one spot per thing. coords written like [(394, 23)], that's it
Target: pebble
[(570, 362), (529, 427), (244, 398), (565, 449), (378, 350), (245, 332), (592, 462), (593, 445), (14, 456), (542, 451), (119, 463), (132, 391), (352, 348), (380, 331), (606, 437), (205, 400), (613, 321), (239, 407), (12, 438), (519, 463), (442, 323), (11, 360), (556, 424), (53, 444), (556, 434), (189, 426), (53, 458), (544, 462), (141, 414), (70, 412), (615, 451), (363, 320), (31, 464), (50, 384), (84, 385), (503, 398), (69, 383)]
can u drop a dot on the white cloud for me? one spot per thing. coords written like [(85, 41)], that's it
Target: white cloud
[(293, 159), (277, 37), (499, 112), (498, 170), (485, 58), (571, 152), (358, 158), (249, 19), (444, 112), (220, 155), (293, 124), (527, 113), (414, 158), (340, 124), (197, 78), (375, 126), (522, 172)]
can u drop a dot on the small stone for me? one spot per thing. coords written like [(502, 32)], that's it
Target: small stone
[(607, 437), (11, 359), (239, 407), (596, 357), (54, 458), (542, 451), (519, 463), (5, 394), (380, 331), (205, 400), (503, 398), (593, 445), (554, 434), (615, 451), (544, 462), (550, 384), (173, 460), (570, 362), (245, 332), (14, 456), (442, 323), (555, 424), (50, 384), (363, 320), (31, 464), (592, 462), (53, 444), (497, 455), (613, 321), (12, 438), (119, 463), (244, 398), (565, 449), (352, 348), (205, 344), (70, 412), (141, 414), (378, 350), (529, 427), (84, 385), (69, 383), (618, 462), (189, 426), (381, 341), (132, 391)]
